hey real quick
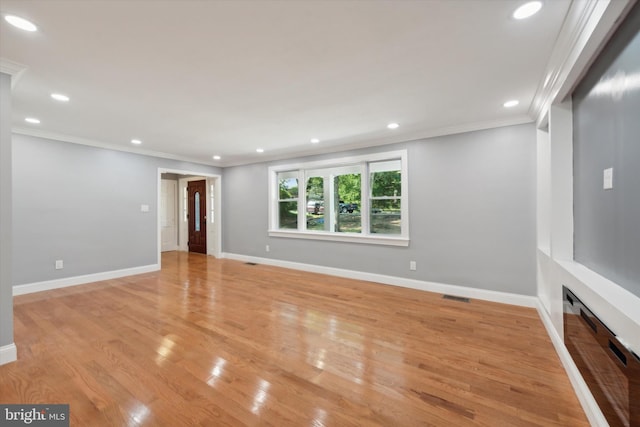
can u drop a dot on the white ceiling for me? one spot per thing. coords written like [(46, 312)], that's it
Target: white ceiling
[(196, 78)]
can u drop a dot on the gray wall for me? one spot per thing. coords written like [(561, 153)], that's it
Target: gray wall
[(81, 204), (171, 176), (6, 292), (472, 214), (607, 134)]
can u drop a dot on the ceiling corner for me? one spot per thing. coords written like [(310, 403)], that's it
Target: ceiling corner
[(14, 69)]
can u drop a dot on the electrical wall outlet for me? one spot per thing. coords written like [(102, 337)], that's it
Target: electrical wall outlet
[(267, 248), (412, 265), (59, 264)]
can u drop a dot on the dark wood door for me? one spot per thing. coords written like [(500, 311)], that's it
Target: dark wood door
[(197, 191)]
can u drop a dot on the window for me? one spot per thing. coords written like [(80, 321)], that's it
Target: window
[(386, 197), (348, 200), (315, 204), (356, 199), (197, 211), (288, 200)]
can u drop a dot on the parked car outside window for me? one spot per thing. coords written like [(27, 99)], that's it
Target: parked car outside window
[(348, 207), (315, 207)]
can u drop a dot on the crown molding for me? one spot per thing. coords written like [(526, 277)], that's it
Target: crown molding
[(328, 148), (14, 69), (406, 137), (98, 144), (587, 27)]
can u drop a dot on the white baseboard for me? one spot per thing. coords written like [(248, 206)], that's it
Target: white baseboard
[(8, 353), (81, 280), (462, 291), (588, 402)]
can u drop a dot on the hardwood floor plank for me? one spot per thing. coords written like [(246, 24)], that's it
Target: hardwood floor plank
[(217, 342)]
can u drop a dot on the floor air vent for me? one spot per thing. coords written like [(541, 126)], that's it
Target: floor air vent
[(251, 263), (455, 298)]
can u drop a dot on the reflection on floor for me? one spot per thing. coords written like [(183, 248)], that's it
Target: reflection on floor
[(220, 342)]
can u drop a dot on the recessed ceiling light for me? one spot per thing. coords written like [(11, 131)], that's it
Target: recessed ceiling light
[(60, 97), (527, 10), (21, 23), (259, 150), (216, 157), (136, 141), (511, 103), (32, 120), (314, 140), (393, 126)]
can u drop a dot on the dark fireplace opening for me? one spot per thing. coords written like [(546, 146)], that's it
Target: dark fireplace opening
[(611, 370)]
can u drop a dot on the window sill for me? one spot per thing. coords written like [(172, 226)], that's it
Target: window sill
[(342, 237)]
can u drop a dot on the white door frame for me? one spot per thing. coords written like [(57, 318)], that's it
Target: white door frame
[(163, 244), (217, 245), (183, 228)]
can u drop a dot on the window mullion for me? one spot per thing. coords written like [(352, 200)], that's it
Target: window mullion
[(365, 196), (302, 201), (302, 208), (327, 196), (331, 211)]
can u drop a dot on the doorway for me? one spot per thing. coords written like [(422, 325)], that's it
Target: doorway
[(210, 201), (197, 216)]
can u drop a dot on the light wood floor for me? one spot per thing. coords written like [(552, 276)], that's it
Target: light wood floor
[(218, 342)]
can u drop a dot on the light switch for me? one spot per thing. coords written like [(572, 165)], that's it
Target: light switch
[(144, 208), (607, 179)]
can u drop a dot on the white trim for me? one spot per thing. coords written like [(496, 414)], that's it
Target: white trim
[(396, 138), (8, 353), (619, 297), (11, 67), (463, 291), (213, 233), (624, 302), (81, 280), (99, 144), (176, 205), (14, 69), (341, 161), (589, 404), (588, 25), (342, 237), (598, 26)]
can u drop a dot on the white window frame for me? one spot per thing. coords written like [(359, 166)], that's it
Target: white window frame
[(365, 236), (291, 174)]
